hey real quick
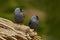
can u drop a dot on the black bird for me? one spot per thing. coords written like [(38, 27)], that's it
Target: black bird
[(33, 23), (18, 15)]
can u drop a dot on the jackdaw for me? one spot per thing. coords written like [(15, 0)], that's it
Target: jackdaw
[(18, 15), (33, 23)]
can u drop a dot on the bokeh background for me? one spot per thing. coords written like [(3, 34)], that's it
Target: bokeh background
[(47, 10)]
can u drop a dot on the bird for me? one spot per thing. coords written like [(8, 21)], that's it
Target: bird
[(18, 15), (33, 23)]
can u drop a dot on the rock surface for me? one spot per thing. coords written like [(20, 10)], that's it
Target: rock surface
[(12, 31)]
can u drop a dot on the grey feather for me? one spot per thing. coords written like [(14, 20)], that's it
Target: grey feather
[(18, 15), (33, 23)]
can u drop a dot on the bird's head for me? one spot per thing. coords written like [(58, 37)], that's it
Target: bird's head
[(18, 10), (35, 17)]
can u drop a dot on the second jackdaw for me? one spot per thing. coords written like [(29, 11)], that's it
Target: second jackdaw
[(33, 23)]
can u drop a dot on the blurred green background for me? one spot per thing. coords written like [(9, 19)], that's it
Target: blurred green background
[(51, 27)]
